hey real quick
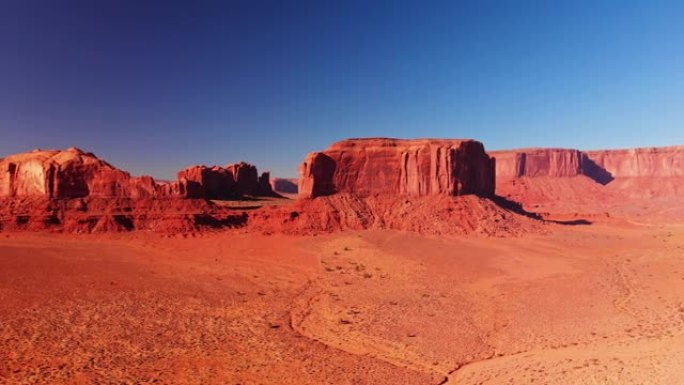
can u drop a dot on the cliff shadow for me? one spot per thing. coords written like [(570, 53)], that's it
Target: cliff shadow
[(517, 208), (592, 170), (215, 222), (574, 222), (323, 170)]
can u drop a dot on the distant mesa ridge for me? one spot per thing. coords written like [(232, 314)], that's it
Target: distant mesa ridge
[(285, 185), (635, 173), (361, 166), (599, 165), (435, 186)]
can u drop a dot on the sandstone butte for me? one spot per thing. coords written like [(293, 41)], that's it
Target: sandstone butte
[(230, 182), (74, 173), (384, 166)]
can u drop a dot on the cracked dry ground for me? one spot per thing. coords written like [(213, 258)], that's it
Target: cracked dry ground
[(598, 304)]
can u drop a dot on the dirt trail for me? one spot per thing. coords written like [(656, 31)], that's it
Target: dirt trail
[(356, 343), (329, 313), (616, 362)]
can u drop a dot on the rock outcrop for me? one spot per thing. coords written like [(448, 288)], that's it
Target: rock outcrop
[(108, 214), (417, 167), (71, 173), (74, 191), (537, 162), (285, 186), (640, 162), (641, 172), (231, 182), (602, 166), (434, 215), (547, 174)]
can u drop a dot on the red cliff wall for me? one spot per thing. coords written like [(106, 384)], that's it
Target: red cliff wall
[(537, 162), (230, 182), (641, 162), (285, 186), (628, 163), (71, 173), (398, 166), (638, 172)]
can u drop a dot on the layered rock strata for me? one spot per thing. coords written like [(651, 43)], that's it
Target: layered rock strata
[(415, 167)]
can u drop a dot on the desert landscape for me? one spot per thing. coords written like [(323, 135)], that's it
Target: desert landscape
[(426, 261), (302, 192)]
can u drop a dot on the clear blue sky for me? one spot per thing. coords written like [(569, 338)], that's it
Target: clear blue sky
[(154, 86)]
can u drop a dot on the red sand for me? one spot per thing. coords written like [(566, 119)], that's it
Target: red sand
[(577, 305)]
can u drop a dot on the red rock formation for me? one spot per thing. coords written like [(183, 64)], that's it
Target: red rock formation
[(264, 185), (68, 174), (101, 198), (398, 167), (436, 215), (528, 175), (641, 172), (73, 173), (99, 214), (246, 178), (537, 162), (201, 182), (641, 162), (604, 164), (285, 186), (230, 182)]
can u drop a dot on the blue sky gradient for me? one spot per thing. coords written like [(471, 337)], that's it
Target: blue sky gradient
[(153, 87)]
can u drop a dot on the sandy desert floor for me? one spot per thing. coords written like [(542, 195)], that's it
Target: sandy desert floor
[(588, 304)]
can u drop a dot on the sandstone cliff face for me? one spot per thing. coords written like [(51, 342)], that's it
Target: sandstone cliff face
[(285, 186), (629, 173), (603, 164), (538, 162), (230, 182), (72, 173), (641, 162), (417, 167)]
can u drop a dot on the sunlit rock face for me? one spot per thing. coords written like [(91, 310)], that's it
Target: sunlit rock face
[(537, 162), (415, 167), (71, 173), (637, 172), (74, 173), (641, 162)]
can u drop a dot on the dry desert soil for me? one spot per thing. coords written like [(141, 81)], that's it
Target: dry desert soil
[(585, 304)]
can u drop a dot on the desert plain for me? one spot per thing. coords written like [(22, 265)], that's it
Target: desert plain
[(599, 304)]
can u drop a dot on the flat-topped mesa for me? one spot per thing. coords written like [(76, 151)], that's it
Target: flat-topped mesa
[(70, 173), (534, 162), (640, 162), (628, 173), (385, 166), (231, 182), (601, 165)]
